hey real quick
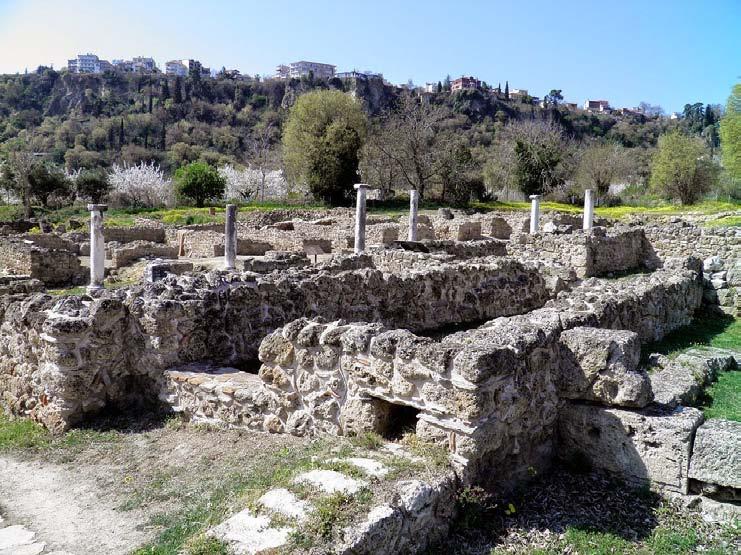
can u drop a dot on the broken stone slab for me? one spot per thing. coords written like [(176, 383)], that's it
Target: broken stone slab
[(602, 365), (159, 269), (651, 446), (247, 534), (284, 502), (13, 537), (330, 481), (29, 549), (370, 467), (681, 381), (716, 455)]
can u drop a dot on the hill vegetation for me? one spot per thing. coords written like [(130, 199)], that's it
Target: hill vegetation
[(67, 136)]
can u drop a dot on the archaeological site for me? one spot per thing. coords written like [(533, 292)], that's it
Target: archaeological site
[(454, 351)]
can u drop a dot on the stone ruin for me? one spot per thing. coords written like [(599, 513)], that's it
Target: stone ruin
[(510, 349)]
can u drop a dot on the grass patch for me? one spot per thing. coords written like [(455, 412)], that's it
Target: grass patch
[(707, 330), (705, 207), (203, 545), (728, 221), (19, 434), (723, 398)]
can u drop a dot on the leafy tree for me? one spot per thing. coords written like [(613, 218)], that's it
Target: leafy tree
[(681, 169), (316, 120), (92, 185), (45, 181), (19, 163), (730, 134), (199, 182), (446, 83), (554, 97)]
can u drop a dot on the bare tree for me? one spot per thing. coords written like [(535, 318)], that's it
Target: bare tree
[(600, 165), (408, 141), (261, 155)]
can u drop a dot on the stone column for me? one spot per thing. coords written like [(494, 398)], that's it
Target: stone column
[(588, 209), (230, 237), (534, 214), (361, 188), (97, 246), (413, 207)]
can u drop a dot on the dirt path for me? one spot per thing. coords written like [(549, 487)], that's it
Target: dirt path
[(66, 509)]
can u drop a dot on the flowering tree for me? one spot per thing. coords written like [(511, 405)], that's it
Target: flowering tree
[(143, 185)]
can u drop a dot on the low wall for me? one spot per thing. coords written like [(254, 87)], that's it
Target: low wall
[(128, 253), (136, 233), (51, 266)]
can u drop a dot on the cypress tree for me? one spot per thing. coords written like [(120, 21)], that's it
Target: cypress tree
[(177, 94), (506, 90), (121, 135), (165, 94)]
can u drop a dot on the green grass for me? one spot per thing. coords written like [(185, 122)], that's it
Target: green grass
[(723, 398), (18, 434), (728, 221), (705, 207), (707, 330)]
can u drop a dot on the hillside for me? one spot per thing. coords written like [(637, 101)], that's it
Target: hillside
[(86, 121)]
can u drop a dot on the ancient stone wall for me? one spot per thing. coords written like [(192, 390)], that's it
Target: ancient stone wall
[(79, 355), (51, 266), (720, 248), (134, 233), (490, 395), (126, 254), (595, 253)]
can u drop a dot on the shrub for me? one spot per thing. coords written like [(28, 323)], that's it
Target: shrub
[(199, 182)]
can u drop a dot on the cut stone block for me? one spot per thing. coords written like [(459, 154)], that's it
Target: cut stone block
[(284, 502), (602, 365), (681, 381), (330, 481), (716, 456), (247, 534), (650, 446)]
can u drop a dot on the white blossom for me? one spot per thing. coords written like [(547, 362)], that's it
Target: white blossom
[(143, 185)]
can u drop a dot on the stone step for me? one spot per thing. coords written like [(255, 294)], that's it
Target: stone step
[(15, 537), (248, 534)]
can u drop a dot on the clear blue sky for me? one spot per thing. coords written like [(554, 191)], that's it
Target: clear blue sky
[(663, 52)]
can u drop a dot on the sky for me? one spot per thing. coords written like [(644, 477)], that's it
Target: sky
[(663, 52)]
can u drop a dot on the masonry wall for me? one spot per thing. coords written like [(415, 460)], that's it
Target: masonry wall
[(51, 266)]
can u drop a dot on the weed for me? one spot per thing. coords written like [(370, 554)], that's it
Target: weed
[(367, 440)]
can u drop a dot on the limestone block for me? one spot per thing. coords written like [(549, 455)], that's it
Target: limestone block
[(602, 365), (467, 231), (500, 229), (650, 446), (681, 381), (716, 456)]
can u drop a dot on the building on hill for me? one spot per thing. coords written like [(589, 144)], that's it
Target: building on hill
[(88, 63), (465, 83), (597, 105), (430, 87), (138, 64), (517, 94), (362, 75), (297, 70), (183, 68)]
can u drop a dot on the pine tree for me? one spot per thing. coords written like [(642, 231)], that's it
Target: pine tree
[(506, 90)]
